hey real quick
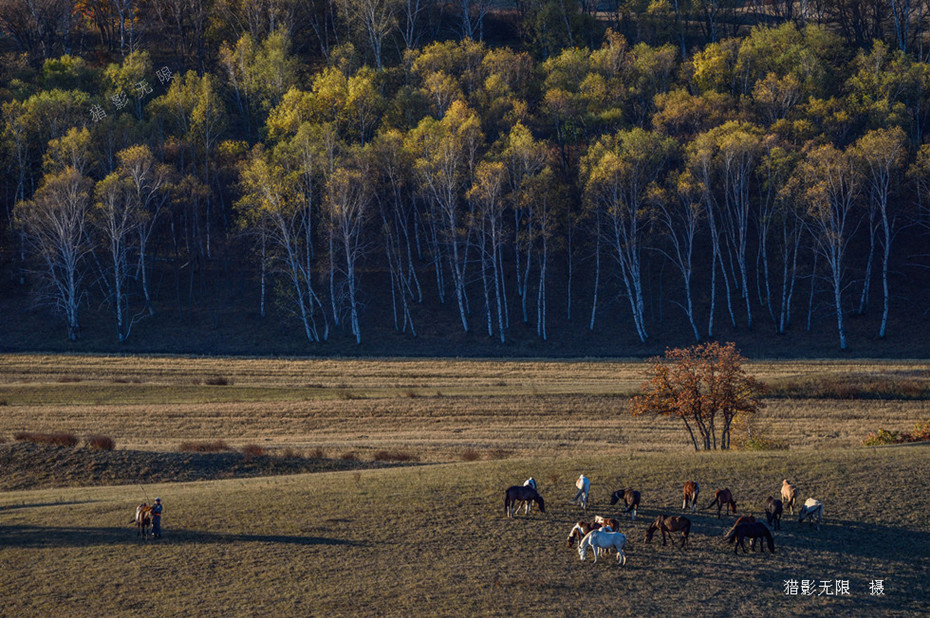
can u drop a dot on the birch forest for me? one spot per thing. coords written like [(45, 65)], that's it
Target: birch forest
[(525, 175)]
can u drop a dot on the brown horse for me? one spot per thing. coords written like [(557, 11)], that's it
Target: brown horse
[(142, 519), (773, 512), (668, 525), (630, 497), (789, 495), (581, 530), (723, 497), (754, 530), (691, 491)]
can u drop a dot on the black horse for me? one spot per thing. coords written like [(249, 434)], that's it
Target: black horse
[(753, 530), (773, 512), (521, 493)]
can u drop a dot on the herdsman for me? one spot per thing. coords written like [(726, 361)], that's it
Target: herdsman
[(156, 519)]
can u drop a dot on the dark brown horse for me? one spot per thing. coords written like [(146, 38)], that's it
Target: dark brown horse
[(691, 491), (521, 493), (630, 497), (773, 512), (668, 525), (753, 530), (142, 520), (723, 497)]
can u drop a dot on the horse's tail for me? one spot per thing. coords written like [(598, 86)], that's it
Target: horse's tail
[(507, 503), (730, 536), (770, 541)]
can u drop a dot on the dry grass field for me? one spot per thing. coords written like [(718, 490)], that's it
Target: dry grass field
[(442, 410), (432, 539)]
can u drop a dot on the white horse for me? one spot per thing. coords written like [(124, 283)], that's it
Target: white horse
[(812, 511), (581, 496), (598, 540)]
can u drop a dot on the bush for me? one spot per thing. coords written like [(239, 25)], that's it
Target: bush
[(316, 453), (470, 455), (204, 447), (100, 443), (349, 456), (396, 456), (253, 450), (55, 439), (217, 381), (920, 433)]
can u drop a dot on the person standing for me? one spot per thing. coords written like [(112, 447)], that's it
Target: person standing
[(156, 518)]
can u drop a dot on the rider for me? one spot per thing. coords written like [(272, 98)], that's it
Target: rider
[(156, 518)]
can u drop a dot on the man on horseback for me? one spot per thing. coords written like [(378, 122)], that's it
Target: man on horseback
[(156, 518)]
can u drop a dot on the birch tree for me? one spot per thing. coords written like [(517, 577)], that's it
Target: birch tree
[(880, 153), (832, 186), (55, 226), (617, 172)]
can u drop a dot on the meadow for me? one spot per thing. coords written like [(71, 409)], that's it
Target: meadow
[(431, 538)]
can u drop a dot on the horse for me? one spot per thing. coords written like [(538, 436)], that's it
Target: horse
[(580, 530), (789, 495), (521, 493), (604, 523), (630, 497), (584, 487), (812, 511), (530, 482), (668, 525), (691, 491), (753, 530), (773, 512), (142, 519), (723, 497), (598, 539)]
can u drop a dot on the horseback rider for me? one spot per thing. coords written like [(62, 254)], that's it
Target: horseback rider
[(156, 518)]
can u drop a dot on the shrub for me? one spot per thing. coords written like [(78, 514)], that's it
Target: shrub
[(349, 456), (253, 450), (100, 443), (470, 455), (316, 453), (55, 439), (217, 381), (396, 456), (882, 436), (920, 433), (204, 447)]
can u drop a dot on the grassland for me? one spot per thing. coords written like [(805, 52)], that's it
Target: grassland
[(432, 540), (441, 409)]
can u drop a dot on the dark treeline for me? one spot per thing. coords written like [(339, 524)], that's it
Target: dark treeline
[(385, 164)]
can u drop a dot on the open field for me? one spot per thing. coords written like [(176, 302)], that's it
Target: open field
[(432, 540), (442, 410)]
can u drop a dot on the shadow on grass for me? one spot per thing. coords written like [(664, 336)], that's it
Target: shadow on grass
[(39, 505), (48, 536)]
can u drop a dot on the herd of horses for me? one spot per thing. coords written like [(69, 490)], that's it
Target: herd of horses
[(603, 534)]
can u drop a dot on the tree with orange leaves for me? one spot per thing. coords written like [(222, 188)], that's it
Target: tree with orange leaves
[(701, 385)]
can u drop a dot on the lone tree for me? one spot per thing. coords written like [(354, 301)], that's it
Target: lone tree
[(700, 385)]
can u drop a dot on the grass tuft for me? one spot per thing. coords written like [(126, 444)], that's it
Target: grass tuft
[(471, 455), (100, 443), (349, 456), (316, 453), (217, 380), (215, 446), (395, 455), (55, 439)]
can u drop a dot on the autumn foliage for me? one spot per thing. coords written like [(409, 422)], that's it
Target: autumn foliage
[(705, 386)]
